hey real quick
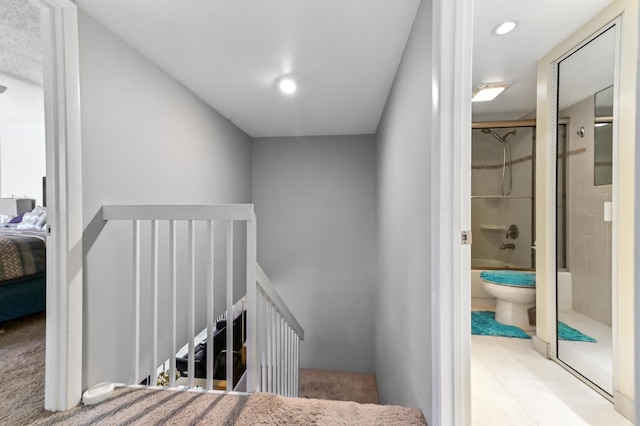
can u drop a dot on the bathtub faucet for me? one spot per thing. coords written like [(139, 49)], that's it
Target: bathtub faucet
[(504, 246)]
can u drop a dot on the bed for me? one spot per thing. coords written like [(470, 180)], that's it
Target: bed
[(22, 272)]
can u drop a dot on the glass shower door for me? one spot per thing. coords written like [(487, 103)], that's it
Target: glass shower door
[(502, 188)]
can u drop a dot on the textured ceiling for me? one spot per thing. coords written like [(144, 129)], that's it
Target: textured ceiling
[(20, 63)]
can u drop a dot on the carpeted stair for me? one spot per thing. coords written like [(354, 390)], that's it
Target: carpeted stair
[(146, 406), (338, 386)]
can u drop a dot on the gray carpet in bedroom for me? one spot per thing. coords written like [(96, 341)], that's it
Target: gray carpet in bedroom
[(22, 396), (22, 369)]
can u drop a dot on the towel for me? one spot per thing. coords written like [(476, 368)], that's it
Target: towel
[(515, 278)]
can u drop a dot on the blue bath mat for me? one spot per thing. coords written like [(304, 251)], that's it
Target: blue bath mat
[(483, 323), (571, 334)]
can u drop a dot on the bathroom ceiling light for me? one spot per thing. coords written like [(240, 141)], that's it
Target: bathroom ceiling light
[(287, 85), (505, 27), (488, 92)]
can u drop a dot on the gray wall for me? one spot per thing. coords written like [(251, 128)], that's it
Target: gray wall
[(403, 321), (315, 203), (146, 140)]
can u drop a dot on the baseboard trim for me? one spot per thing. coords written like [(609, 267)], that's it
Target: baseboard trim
[(624, 406), (540, 346)]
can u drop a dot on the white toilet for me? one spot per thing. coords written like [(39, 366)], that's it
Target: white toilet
[(514, 296)]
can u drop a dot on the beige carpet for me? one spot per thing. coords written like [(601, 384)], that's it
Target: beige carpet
[(168, 407), (22, 396), (338, 386)]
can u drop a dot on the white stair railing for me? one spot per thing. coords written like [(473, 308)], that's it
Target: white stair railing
[(272, 333), (279, 345)]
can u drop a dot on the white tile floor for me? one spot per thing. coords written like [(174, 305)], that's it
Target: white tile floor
[(512, 384), (593, 360)]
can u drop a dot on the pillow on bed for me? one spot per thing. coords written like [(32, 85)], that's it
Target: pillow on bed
[(17, 219), (36, 219)]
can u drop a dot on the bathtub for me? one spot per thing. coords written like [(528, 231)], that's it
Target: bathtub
[(477, 290), (477, 263)]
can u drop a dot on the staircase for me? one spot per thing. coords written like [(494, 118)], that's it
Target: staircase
[(258, 351)]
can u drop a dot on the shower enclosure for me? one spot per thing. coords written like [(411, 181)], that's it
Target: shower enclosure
[(502, 200)]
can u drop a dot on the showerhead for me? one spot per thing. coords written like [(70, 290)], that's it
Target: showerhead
[(506, 157), (495, 135), (502, 139), (513, 132)]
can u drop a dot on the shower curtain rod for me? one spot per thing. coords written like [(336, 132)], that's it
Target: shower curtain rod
[(510, 123)]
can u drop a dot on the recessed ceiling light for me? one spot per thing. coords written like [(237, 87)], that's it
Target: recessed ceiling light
[(505, 27), (488, 92), (287, 85)]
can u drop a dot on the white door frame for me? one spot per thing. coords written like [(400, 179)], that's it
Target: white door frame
[(63, 376), (451, 209)]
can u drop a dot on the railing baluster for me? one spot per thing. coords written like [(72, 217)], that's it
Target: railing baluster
[(297, 365), (258, 311), (270, 347), (278, 354), (265, 345), (280, 363), (192, 304), (154, 298), (293, 364), (289, 361), (276, 351), (283, 373), (279, 369), (293, 361), (230, 313), (287, 372), (252, 314), (296, 371), (210, 305), (174, 283), (136, 278)]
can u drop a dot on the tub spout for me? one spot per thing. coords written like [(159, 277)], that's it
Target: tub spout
[(510, 246)]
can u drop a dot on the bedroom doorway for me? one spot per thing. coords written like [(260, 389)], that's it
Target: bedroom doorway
[(23, 222)]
